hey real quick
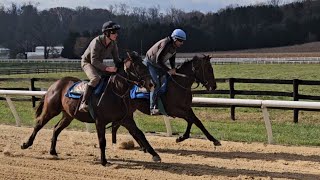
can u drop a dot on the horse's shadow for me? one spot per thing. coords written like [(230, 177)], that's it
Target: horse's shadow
[(245, 155), (201, 169), (206, 170)]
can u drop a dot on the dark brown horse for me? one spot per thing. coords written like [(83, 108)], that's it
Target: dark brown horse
[(178, 98), (113, 107)]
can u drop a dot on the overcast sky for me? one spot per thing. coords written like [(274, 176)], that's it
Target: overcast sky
[(185, 5)]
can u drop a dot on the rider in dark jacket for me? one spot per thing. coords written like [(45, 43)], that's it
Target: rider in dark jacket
[(156, 59)]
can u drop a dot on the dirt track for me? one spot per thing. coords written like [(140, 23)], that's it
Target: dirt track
[(192, 159)]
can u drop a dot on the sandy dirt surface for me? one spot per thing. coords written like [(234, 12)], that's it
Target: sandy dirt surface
[(193, 159)]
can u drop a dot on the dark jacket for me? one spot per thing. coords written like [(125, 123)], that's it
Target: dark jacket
[(161, 52)]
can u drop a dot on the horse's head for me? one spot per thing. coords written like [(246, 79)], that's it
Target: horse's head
[(203, 72), (137, 71)]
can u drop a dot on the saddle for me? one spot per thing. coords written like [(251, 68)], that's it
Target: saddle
[(141, 93), (78, 88)]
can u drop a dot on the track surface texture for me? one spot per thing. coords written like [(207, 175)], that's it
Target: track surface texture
[(193, 159)]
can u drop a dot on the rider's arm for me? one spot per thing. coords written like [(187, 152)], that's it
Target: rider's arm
[(115, 55), (172, 61), (160, 58)]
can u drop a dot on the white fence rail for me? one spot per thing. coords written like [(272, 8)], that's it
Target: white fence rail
[(8, 93), (283, 60), (264, 104)]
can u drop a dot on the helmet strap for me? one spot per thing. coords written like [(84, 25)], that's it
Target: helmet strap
[(106, 33)]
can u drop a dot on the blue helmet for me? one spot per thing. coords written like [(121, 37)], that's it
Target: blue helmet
[(179, 34)]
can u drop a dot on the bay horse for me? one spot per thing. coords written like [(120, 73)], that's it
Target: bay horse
[(178, 98), (113, 106)]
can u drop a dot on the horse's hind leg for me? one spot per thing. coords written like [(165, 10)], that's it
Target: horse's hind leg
[(142, 148), (114, 137), (186, 135), (193, 118), (131, 126), (63, 123), (42, 120), (114, 133)]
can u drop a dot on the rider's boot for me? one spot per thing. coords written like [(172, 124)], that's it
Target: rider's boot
[(154, 110), (84, 102)]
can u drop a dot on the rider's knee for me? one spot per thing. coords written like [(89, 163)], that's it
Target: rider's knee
[(95, 81)]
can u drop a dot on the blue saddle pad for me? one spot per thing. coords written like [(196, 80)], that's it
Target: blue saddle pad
[(136, 92), (78, 88)]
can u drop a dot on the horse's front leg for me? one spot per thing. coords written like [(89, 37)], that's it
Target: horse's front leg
[(101, 130), (194, 119)]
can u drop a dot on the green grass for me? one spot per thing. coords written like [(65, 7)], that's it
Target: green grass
[(249, 126)]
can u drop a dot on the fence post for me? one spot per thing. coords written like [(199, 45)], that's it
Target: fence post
[(32, 88), (232, 94), (295, 98)]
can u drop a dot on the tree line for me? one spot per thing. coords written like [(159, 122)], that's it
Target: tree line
[(234, 27)]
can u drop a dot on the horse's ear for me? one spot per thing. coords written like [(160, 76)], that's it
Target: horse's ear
[(207, 57), (129, 56)]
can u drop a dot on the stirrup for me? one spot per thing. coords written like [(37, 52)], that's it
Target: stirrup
[(154, 111), (83, 107)]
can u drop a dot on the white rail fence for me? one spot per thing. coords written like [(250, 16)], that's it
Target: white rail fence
[(263, 104), (282, 60), (8, 93)]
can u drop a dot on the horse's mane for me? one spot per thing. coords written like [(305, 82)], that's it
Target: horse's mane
[(188, 61)]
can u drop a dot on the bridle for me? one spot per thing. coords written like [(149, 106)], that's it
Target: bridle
[(194, 77), (139, 78), (204, 81)]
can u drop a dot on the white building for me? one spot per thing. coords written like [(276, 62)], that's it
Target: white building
[(4, 53), (54, 52)]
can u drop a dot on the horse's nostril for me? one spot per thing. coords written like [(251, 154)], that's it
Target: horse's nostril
[(150, 85)]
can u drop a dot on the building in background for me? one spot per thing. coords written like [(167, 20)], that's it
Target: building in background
[(4, 53), (54, 52)]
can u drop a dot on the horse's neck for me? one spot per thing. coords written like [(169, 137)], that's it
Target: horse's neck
[(185, 69)]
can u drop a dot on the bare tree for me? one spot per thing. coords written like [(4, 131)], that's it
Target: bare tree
[(275, 2), (124, 9), (175, 15), (153, 13), (140, 13)]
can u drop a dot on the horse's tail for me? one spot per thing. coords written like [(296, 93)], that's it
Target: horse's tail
[(40, 107)]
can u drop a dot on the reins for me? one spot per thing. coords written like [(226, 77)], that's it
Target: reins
[(194, 77)]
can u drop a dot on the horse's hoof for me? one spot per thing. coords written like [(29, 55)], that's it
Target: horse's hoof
[(217, 143), (105, 163), (156, 158), (143, 149), (24, 146), (54, 153), (180, 139)]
